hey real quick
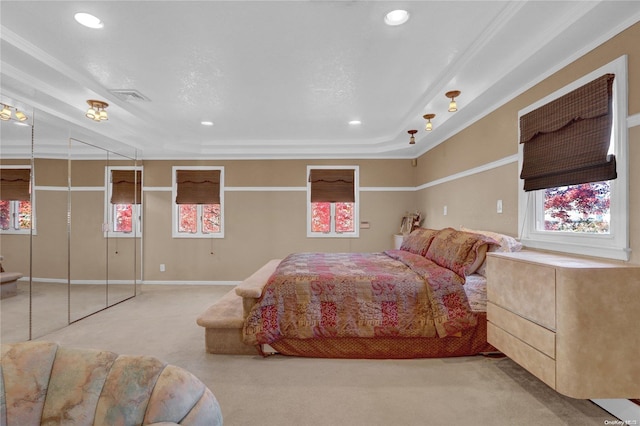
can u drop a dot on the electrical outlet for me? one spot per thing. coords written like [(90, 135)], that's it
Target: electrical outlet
[(162, 268), (444, 211), (499, 206)]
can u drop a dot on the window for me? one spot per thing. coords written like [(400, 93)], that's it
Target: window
[(124, 195), (332, 201), (198, 202), (15, 204), (585, 210)]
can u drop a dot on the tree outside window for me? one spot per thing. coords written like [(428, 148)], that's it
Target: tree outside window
[(580, 208)]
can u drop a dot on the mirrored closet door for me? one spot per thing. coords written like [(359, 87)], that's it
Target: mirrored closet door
[(77, 243), (104, 240), (15, 216)]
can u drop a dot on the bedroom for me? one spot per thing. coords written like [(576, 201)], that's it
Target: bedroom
[(389, 187)]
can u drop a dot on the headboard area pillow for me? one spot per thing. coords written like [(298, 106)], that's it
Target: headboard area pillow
[(418, 241), (505, 244), (462, 252)]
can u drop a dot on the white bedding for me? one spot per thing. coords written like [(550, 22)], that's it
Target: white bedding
[(476, 288)]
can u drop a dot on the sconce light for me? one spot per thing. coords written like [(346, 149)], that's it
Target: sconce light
[(412, 140), (96, 110), (428, 117), (5, 114), (453, 107)]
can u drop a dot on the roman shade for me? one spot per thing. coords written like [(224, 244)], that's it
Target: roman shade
[(332, 185), (198, 186), (126, 186), (15, 184), (566, 141)]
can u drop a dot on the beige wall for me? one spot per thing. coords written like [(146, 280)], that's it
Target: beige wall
[(471, 200), (265, 222)]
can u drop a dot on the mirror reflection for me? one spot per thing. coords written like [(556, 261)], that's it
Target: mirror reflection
[(49, 262), (15, 222), (75, 245)]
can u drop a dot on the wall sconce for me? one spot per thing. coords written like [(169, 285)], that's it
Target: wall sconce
[(5, 114), (428, 117), (96, 110), (453, 107), (412, 140)]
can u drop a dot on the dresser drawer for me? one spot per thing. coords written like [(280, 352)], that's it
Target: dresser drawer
[(534, 335), (527, 289), (529, 358)]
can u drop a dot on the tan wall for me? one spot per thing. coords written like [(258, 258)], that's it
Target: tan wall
[(265, 224), (472, 200)]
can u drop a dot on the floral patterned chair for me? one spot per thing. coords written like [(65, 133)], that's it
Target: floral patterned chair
[(44, 383)]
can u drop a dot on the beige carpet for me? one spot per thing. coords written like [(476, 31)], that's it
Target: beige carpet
[(279, 390)]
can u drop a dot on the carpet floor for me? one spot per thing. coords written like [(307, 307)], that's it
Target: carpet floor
[(281, 390)]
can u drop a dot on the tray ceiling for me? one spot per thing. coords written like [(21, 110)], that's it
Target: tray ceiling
[(282, 79)]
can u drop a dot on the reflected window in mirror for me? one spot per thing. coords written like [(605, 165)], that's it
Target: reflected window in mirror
[(16, 212), (124, 198), (198, 194)]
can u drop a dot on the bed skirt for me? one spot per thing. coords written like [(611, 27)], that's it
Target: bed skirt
[(472, 342)]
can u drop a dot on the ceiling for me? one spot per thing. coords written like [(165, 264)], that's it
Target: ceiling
[(282, 79)]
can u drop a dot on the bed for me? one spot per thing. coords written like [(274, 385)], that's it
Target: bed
[(424, 300)]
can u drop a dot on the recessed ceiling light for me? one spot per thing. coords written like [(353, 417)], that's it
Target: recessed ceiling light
[(88, 20), (207, 123), (355, 122), (396, 17)]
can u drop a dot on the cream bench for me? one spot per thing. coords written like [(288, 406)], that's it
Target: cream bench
[(223, 321), (8, 282)]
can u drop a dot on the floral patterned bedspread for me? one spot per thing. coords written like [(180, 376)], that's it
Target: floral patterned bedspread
[(391, 293)]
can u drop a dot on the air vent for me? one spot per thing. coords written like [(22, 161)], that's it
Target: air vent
[(129, 95)]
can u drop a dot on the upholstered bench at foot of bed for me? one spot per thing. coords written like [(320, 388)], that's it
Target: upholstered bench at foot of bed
[(223, 321), (8, 284)]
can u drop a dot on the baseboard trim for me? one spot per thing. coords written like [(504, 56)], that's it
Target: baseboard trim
[(227, 283)]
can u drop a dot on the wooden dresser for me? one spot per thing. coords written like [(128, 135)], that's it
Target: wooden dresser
[(572, 322)]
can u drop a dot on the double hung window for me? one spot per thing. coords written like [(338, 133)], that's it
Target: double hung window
[(198, 202), (332, 201)]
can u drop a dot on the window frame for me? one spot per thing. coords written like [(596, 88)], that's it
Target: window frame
[(356, 207), (14, 206), (175, 214), (615, 244), (109, 216)]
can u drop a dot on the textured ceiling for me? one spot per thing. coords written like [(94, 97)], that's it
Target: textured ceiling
[(282, 79)]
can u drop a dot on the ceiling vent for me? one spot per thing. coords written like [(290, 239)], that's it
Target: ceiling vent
[(129, 95)]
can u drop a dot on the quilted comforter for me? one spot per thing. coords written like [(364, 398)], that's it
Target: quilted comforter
[(391, 293)]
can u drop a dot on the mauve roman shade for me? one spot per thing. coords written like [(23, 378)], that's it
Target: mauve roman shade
[(332, 185), (567, 140), (126, 186), (14, 184), (198, 187)]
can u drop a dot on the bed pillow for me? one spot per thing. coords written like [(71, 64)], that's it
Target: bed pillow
[(418, 241), (462, 252), (505, 244)]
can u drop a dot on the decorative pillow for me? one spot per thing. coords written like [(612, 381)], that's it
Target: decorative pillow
[(418, 241), (462, 252), (505, 244)]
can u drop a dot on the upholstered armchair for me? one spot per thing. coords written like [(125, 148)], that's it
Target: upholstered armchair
[(44, 383)]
